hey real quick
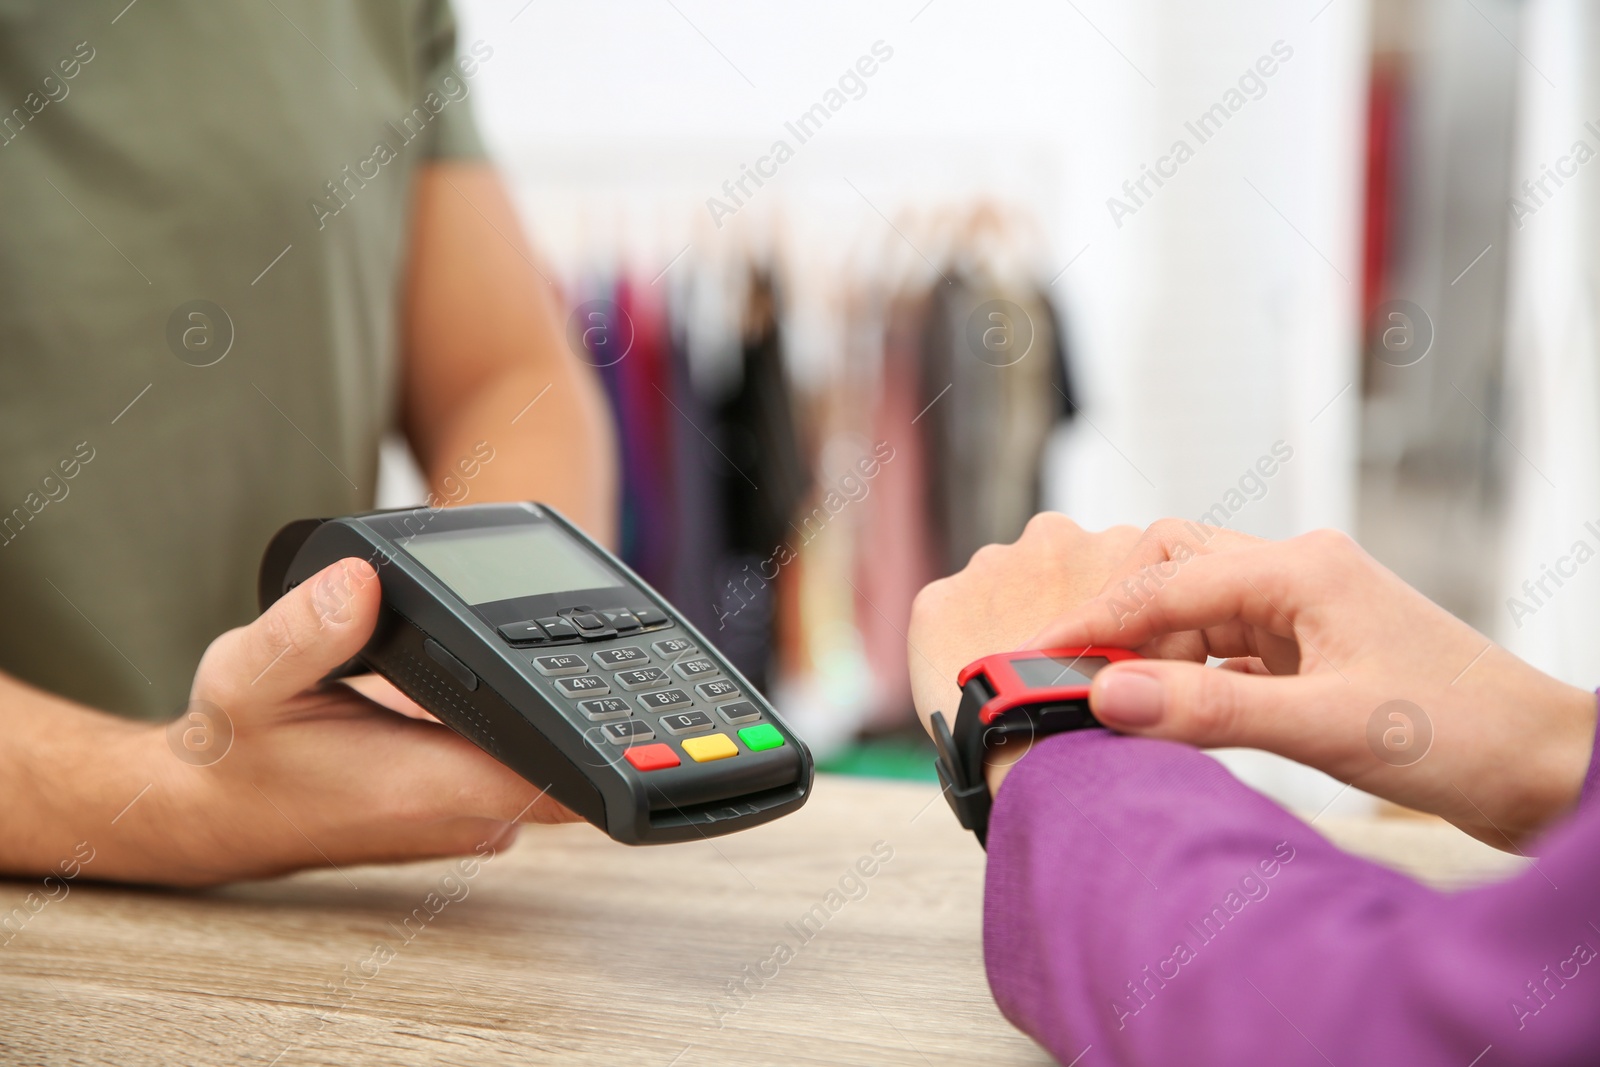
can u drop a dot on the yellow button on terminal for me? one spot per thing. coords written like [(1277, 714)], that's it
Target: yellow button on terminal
[(711, 747)]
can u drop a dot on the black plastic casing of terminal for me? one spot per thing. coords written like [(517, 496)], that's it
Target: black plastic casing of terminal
[(448, 657)]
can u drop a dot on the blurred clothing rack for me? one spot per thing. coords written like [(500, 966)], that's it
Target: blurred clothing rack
[(803, 447)]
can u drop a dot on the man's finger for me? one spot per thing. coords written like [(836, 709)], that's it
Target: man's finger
[(312, 629), (430, 773), (379, 690), (1212, 708)]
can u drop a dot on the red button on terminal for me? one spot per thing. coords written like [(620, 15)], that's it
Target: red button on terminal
[(652, 757)]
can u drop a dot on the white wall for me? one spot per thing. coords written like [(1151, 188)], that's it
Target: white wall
[(1219, 319), (1552, 381)]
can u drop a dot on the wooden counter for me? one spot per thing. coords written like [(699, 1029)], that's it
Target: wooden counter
[(570, 949)]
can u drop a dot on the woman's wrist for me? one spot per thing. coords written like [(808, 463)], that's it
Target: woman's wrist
[(997, 763), (1591, 773), (1555, 779)]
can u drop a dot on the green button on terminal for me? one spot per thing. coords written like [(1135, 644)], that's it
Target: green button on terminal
[(762, 737)]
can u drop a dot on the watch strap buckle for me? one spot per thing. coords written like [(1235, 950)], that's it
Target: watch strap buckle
[(964, 787)]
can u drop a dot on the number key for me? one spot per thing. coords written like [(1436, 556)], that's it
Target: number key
[(720, 689), (695, 668), (664, 700), (612, 658), (673, 646), (551, 666), (584, 685), (643, 678), (686, 722), (604, 709)]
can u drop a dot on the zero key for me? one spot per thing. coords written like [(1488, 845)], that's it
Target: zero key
[(686, 722)]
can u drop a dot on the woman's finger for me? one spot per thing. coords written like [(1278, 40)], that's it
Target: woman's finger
[(1212, 708), (1262, 586), (1173, 540)]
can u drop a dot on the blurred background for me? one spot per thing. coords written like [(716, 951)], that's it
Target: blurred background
[(869, 285)]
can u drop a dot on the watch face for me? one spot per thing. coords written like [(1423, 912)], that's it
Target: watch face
[(1051, 672)]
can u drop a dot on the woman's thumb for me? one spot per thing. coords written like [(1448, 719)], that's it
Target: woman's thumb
[(1200, 705)]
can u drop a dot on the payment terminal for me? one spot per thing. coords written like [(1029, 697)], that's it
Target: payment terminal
[(516, 630)]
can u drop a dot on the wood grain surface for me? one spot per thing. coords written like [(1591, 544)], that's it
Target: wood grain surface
[(570, 949)]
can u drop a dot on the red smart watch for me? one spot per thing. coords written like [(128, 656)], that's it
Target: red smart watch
[(1009, 699)]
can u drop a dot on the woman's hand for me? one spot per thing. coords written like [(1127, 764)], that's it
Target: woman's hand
[(1335, 662), (1001, 598)]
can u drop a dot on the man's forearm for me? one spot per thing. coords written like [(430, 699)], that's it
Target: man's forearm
[(487, 366), (551, 441), (70, 781)]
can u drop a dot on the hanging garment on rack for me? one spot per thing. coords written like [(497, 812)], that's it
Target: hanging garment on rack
[(596, 332), (762, 482), (828, 685), (719, 511), (770, 472), (895, 556), (993, 392), (699, 532), (1035, 399), (1065, 383), (648, 466), (623, 332)]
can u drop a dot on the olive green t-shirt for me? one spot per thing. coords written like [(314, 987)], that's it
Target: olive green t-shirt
[(205, 216)]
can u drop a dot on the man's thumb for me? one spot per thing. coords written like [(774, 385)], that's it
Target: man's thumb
[(312, 629), (1200, 705)]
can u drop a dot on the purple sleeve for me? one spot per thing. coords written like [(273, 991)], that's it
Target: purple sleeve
[(1142, 901)]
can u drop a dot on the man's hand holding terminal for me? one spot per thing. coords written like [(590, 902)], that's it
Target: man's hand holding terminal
[(315, 774)]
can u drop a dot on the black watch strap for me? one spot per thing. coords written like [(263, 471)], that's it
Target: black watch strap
[(964, 744), (963, 785), (960, 764)]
